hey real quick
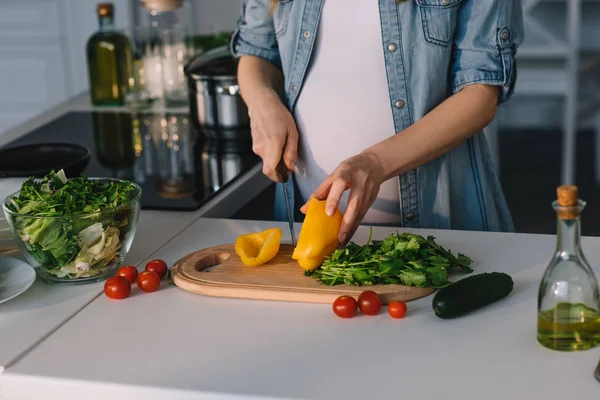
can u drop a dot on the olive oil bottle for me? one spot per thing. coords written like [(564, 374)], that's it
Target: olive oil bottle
[(568, 299), (109, 61)]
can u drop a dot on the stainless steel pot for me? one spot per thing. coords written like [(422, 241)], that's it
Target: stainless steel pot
[(216, 105), (231, 109)]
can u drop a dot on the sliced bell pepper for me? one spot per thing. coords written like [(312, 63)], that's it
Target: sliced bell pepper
[(258, 248), (318, 237)]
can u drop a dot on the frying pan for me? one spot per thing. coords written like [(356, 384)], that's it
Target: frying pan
[(39, 159)]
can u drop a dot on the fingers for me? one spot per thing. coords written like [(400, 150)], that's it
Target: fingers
[(275, 137), (290, 152), (338, 187), (351, 215), (271, 157), (359, 202)]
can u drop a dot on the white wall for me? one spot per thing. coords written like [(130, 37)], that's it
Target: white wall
[(42, 53)]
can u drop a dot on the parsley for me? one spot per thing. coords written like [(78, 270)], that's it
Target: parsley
[(401, 258)]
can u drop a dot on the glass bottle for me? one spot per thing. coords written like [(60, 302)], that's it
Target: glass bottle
[(109, 61), (166, 14), (568, 299)]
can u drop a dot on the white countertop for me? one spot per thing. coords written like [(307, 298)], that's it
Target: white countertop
[(27, 319), (178, 345)]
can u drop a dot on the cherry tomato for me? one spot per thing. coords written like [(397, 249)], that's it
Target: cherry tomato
[(117, 287), (128, 272), (369, 302), (345, 306), (148, 281), (397, 309), (158, 266)]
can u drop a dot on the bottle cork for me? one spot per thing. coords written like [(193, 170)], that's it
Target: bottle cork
[(568, 201)]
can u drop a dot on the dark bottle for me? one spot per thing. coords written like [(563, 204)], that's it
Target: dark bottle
[(109, 61)]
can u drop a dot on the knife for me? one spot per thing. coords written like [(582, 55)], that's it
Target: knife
[(597, 373), (283, 176)]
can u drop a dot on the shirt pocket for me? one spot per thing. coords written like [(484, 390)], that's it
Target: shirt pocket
[(281, 16), (439, 19)]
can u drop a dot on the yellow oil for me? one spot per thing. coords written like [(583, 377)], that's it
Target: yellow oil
[(569, 327)]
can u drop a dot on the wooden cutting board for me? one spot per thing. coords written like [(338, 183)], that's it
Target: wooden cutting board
[(218, 271)]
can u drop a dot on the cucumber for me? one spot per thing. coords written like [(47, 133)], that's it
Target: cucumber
[(471, 293)]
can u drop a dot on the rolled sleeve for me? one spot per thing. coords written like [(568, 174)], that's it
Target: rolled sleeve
[(486, 41), (255, 33)]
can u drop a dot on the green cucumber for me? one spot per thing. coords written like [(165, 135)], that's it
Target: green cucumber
[(471, 293)]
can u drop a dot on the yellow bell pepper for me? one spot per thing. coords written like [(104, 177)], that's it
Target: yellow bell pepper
[(258, 248), (318, 237)]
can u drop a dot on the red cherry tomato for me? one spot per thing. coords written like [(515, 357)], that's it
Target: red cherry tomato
[(117, 287), (345, 306), (158, 266), (148, 281), (128, 272), (369, 302), (397, 309)]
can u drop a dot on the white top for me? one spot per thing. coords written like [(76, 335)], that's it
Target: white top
[(344, 106)]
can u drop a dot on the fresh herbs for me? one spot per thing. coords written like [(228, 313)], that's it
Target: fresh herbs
[(71, 227), (401, 258), (54, 195)]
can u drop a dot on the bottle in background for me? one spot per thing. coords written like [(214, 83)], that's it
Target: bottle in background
[(109, 61), (568, 300)]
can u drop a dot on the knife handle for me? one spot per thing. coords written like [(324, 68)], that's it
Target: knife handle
[(282, 171)]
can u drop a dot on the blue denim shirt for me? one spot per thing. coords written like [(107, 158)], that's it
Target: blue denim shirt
[(432, 48)]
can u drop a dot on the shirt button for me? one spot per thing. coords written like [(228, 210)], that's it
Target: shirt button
[(306, 34), (446, 2), (293, 87), (410, 217), (400, 104), (505, 36), (392, 47)]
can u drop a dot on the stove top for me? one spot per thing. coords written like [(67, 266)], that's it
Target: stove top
[(177, 167)]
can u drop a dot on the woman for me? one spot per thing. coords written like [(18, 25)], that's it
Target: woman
[(379, 106)]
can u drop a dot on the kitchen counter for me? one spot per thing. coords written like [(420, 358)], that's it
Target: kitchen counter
[(43, 308), (178, 345)]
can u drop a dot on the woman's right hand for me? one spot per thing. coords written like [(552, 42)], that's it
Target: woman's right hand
[(274, 133)]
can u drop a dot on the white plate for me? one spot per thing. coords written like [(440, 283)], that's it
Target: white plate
[(16, 276)]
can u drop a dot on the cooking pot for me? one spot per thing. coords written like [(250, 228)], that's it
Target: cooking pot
[(216, 106)]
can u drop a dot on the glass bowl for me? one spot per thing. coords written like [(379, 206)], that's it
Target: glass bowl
[(77, 248)]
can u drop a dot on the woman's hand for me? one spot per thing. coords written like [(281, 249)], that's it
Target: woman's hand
[(274, 133), (363, 175)]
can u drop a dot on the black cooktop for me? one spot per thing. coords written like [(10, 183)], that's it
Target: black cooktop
[(178, 167)]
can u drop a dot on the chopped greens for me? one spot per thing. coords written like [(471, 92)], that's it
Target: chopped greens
[(401, 258), (72, 228)]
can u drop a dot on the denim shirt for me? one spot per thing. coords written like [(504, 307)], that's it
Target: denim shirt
[(432, 49)]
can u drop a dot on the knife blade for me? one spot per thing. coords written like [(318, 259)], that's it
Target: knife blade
[(597, 372), (283, 176)]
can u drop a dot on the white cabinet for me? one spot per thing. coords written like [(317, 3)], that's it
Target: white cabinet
[(36, 19), (32, 76), (42, 53)]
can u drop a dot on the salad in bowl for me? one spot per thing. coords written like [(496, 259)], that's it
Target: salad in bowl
[(74, 230)]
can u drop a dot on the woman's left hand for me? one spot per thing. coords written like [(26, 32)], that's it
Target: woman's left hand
[(363, 175)]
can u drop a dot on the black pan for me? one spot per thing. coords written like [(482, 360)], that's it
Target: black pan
[(39, 159)]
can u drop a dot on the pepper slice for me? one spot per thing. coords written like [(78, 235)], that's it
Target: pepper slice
[(258, 248), (319, 235)]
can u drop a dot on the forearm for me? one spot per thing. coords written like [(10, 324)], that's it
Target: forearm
[(451, 123), (258, 80)]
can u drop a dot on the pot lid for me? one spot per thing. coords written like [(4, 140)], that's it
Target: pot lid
[(218, 62)]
